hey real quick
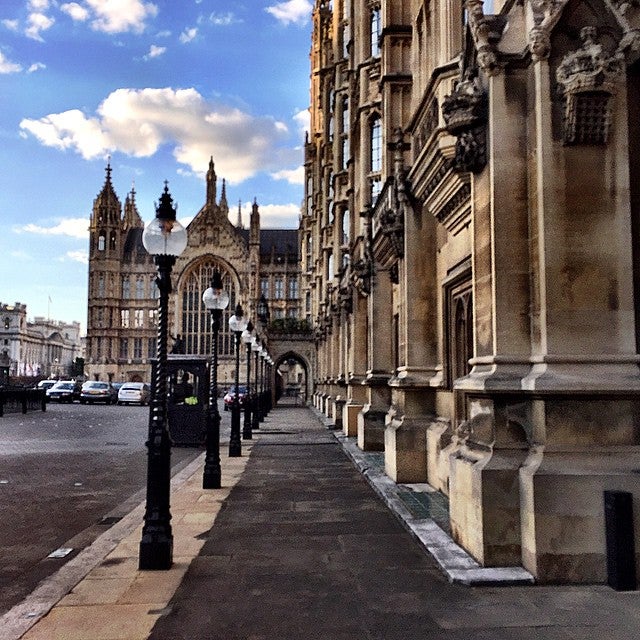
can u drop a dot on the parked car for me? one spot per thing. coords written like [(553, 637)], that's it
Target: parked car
[(45, 384), (64, 391), (231, 394), (134, 393), (98, 391)]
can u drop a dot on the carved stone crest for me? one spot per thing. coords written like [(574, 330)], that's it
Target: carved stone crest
[(588, 79)]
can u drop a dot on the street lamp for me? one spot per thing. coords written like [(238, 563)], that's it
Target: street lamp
[(247, 337), (216, 300), (255, 417), (237, 324), (164, 238)]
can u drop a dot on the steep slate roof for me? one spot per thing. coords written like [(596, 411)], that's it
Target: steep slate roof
[(278, 241)]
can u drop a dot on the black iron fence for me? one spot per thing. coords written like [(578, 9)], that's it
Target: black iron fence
[(19, 400)]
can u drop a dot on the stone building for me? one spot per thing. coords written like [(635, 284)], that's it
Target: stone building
[(122, 305), (471, 250), (40, 347)]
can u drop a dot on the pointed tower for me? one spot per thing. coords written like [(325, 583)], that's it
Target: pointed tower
[(254, 250), (132, 219), (211, 185), (224, 205), (239, 222), (105, 250)]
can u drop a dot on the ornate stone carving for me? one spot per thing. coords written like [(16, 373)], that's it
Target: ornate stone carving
[(361, 276), (345, 299), (588, 78), (486, 31), (546, 14), (465, 115)]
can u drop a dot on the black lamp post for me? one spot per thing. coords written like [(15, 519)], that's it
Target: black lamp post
[(216, 300), (165, 239), (237, 324), (263, 381), (247, 337), (255, 414)]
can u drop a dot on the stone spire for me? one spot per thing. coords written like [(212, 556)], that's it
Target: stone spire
[(254, 228), (224, 205), (106, 207), (239, 223), (211, 184), (132, 218)]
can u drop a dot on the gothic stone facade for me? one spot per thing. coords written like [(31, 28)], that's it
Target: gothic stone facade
[(122, 314), (471, 245)]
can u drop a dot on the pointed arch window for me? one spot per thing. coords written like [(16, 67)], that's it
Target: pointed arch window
[(375, 23), (126, 287), (459, 328), (102, 241), (112, 241), (195, 320)]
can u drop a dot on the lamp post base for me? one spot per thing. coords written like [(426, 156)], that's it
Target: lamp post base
[(235, 444), (156, 553)]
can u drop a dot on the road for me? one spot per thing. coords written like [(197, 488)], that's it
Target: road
[(65, 475)]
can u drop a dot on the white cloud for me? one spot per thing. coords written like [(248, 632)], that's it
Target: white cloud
[(38, 22), (75, 11), (188, 35), (118, 16), (71, 227), (6, 66), (154, 52), (278, 216), (223, 19), (21, 255), (137, 122), (81, 256), (12, 25), (292, 176), (36, 66), (70, 130), (303, 120), (297, 11)]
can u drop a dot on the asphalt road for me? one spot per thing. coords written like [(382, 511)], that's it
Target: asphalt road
[(65, 475)]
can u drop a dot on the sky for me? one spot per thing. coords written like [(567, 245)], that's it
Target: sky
[(158, 88)]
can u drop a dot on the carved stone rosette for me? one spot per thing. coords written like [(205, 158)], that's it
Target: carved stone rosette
[(588, 79), (465, 116)]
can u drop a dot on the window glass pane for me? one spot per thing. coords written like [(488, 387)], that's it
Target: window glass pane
[(375, 32)]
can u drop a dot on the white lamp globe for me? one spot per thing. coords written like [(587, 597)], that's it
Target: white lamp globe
[(237, 322), (164, 235)]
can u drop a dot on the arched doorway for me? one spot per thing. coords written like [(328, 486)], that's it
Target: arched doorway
[(291, 380)]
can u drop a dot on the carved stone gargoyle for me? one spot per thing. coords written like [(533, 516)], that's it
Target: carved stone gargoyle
[(465, 116)]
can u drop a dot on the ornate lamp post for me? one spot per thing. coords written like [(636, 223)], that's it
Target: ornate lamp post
[(216, 301), (237, 324), (247, 337), (255, 417), (165, 239)]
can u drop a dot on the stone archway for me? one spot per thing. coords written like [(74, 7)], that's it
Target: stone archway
[(292, 378)]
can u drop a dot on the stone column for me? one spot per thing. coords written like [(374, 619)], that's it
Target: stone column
[(357, 365), (371, 420)]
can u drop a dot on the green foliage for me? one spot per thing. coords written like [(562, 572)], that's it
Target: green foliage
[(289, 325)]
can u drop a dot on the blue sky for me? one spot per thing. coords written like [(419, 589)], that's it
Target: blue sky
[(158, 87)]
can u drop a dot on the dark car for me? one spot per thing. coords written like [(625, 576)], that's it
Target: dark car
[(64, 391), (231, 394), (98, 391)]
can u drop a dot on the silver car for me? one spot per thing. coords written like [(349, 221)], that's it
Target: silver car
[(134, 393)]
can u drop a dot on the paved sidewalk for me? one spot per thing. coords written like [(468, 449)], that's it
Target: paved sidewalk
[(301, 547)]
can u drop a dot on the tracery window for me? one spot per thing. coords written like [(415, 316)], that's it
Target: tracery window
[(195, 320), (293, 288), (279, 289), (102, 241)]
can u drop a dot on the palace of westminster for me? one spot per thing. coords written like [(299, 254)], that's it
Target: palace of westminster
[(466, 268)]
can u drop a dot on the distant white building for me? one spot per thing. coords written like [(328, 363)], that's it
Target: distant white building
[(38, 347)]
